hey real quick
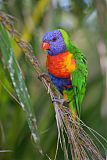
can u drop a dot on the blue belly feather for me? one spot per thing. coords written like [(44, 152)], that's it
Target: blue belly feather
[(61, 83)]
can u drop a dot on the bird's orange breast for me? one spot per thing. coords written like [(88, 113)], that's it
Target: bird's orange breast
[(61, 65)]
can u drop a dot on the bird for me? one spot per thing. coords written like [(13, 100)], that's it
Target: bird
[(67, 68)]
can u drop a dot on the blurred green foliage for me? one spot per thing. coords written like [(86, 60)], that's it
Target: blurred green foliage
[(85, 21)]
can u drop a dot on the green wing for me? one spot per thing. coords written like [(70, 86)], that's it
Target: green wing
[(78, 79)]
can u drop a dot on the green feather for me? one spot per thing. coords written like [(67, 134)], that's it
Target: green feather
[(78, 77)]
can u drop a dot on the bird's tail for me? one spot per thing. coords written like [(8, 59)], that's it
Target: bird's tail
[(73, 105), (74, 111)]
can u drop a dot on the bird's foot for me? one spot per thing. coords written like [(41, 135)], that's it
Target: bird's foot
[(58, 100), (47, 78), (44, 75)]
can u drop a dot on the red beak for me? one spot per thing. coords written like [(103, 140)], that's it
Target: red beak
[(45, 46)]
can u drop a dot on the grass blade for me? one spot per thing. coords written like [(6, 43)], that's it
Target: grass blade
[(18, 83)]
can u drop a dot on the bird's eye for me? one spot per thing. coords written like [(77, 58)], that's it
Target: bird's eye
[(54, 39)]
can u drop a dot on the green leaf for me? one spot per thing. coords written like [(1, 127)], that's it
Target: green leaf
[(18, 82)]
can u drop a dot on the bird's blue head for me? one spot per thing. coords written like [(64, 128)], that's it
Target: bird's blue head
[(53, 42)]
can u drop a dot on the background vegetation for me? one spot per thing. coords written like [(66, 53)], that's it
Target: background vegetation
[(86, 23)]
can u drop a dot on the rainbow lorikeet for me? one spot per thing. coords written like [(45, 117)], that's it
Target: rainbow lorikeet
[(67, 68)]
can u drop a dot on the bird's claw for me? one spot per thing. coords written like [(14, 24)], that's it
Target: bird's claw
[(44, 75), (58, 100)]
